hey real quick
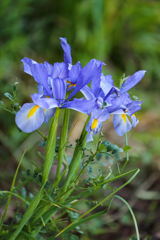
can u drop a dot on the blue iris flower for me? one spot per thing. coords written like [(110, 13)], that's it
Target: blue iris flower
[(52, 86), (120, 120), (114, 101), (102, 108)]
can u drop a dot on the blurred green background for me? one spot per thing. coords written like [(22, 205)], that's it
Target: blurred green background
[(123, 34)]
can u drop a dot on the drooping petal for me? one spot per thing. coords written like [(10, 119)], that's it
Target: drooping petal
[(81, 105), (43, 101), (89, 137), (27, 63), (29, 118), (48, 113), (121, 124), (135, 121), (52, 103), (93, 126), (67, 50), (38, 100), (132, 81), (100, 114)]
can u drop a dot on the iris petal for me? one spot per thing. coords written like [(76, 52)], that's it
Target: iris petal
[(27, 63), (135, 121), (31, 123), (87, 93), (67, 50), (132, 81), (39, 72), (59, 89), (80, 105), (121, 124), (48, 113)]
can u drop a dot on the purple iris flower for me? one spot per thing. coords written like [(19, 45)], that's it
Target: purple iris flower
[(120, 120), (102, 108), (52, 85)]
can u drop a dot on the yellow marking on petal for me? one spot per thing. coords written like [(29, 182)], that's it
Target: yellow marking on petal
[(32, 111), (48, 96), (133, 115), (94, 124), (124, 117), (74, 84)]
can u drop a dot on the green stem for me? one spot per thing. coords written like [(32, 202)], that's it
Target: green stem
[(28, 214), (41, 134), (16, 188), (127, 155), (73, 167), (50, 148), (100, 202), (12, 186), (133, 216), (85, 166), (16, 195), (62, 143), (85, 194)]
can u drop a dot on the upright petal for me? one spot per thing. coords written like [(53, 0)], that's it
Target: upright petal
[(39, 72), (60, 70), (67, 50), (106, 83), (27, 63), (96, 79), (75, 72), (29, 118), (49, 67), (59, 90), (132, 81), (87, 74)]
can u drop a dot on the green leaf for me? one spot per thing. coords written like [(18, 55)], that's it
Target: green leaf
[(24, 192), (1, 104), (8, 95), (101, 148), (14, 89), (127, 148), (98, 156), (116, 149), (73, 237), (43, 143), (41, 156), (28, 214)]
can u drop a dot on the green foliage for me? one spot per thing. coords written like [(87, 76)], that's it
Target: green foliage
[(127, 148)]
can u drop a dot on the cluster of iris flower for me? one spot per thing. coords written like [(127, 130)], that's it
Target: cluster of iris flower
[(58, 84)]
